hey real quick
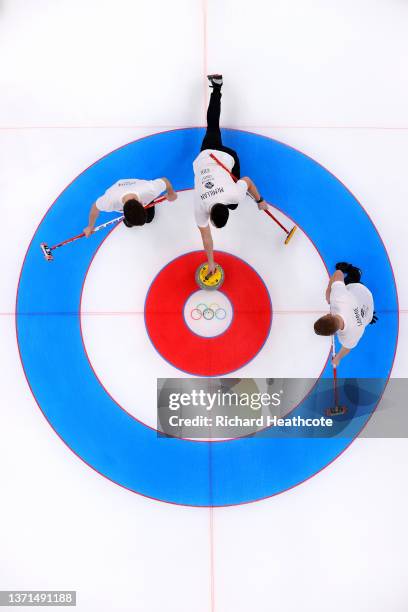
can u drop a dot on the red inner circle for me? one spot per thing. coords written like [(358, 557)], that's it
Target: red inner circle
[(249, 329)]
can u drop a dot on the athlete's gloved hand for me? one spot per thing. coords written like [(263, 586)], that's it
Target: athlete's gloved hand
[(374, 319), (171, 196), (335, 361), (211, 268)]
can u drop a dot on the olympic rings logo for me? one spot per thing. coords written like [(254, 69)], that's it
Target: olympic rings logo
[(208, 312)]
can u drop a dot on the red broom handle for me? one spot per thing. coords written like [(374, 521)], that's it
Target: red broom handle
[(234, 178), (334, 372), (156, 202), (60, 244), (268, 212)]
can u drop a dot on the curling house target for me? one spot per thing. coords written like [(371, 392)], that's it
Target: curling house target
[(217, 354), (77, 406)]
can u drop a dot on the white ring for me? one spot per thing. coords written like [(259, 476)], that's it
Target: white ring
[(208, 314), (196, 310), (220, 310)]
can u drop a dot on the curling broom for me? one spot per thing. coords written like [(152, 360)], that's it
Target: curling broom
[(289, 233), (47, 250), (336, 409)]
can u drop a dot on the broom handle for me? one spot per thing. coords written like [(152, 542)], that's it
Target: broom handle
[(103, 225), (234, 178), (156, 202), (96, 229), (334, 372)]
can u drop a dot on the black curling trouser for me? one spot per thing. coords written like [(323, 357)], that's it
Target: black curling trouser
[(212, 138)]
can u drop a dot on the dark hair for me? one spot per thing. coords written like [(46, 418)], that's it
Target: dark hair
[(219, 215), (134, 213), (326, 326)]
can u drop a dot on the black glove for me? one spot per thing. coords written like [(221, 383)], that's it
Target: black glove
[(374, 319)]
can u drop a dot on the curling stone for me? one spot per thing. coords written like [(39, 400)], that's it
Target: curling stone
[(209, 281)]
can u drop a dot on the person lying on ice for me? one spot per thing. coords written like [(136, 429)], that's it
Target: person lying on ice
[(351, 309), (130, 196), (215, 191)]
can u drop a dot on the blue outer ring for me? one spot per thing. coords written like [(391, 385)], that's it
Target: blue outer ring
[(79, 409)]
